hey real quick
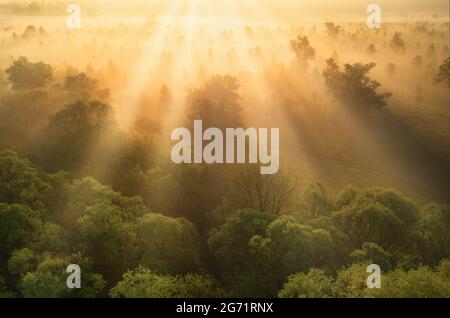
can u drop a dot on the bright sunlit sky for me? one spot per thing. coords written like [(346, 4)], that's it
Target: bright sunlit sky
[(292, 11)]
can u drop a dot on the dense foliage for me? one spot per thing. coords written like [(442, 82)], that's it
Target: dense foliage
[(320, 250)]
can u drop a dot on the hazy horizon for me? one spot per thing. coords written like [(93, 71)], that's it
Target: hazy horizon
[(284, 11)]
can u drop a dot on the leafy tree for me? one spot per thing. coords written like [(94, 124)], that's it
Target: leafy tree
[(168, 245), (347, 195), (331, 248), (369, 222), (229, 242), (137, 154), (315, 201), (80, 82), (397, 42), (325, 251), (42, 31), (351, 282), (444, 72), (18, 224), (290, 247), (85, 87), (379, 216), (353, 86), (48, 279), (286, 247), (332, 29), (268, 253), (420, 283), (73, 131), (434, 229), (444, 268), (42, 285), (30, 30), (21, 182), (302, 50), (143, 142), (22, 261), (314, 284), (197, 188), (235, 262), (371, 253), (84, 193), (107, 236), (216, 103), (50, 237), (24, 75), (144, 283)]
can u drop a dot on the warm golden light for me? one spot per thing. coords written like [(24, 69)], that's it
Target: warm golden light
[(237, 148)]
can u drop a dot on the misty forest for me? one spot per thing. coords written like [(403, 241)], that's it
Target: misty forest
[(86, 176)]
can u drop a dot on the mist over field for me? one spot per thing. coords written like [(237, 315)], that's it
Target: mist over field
[(86, 175)]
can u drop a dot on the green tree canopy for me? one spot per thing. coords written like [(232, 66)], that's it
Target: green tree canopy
[(289, 247), (21, 182), (380, 216), (316, 202), (371, 253), (18, 224), (229, 242), (144, 283), (423, 282), (86, 192), (434, 230), (314, 284), (351, 282), (48, 279), (168, 245), (107, 236)]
